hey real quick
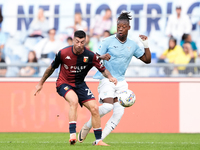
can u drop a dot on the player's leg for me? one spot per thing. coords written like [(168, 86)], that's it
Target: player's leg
[(118, 111), (96, 121), (106, 91), (105, 108), (72, 98)]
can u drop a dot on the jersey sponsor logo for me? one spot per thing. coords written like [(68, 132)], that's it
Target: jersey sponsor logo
[(68, 57), (85, 59), (115, 46), (66, 67), (89, 93), (76, 69), (66, 88)]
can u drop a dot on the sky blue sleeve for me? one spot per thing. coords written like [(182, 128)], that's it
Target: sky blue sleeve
[(138, 52), (103, 47)]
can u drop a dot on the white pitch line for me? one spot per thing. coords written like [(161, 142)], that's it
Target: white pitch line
[(21, 142)]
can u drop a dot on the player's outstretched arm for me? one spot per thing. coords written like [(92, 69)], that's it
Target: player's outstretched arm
[(46, 74), (146, 58), (107, 74)]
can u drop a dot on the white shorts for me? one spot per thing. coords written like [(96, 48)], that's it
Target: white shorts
[(108, 89)]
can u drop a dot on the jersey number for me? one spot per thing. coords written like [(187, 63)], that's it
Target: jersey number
[(89, 92)]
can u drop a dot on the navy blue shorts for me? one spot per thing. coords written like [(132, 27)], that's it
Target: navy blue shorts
[(83, 92)]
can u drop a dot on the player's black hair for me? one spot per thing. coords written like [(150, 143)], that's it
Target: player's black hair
[(125, 16), (80, 34)]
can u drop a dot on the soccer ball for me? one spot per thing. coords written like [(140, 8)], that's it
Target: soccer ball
[(126, 98)]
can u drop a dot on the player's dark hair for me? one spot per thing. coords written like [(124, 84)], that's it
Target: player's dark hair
[(80, 34), (125, 16)]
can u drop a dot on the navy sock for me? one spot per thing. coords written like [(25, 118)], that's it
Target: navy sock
[(98, 133), (72, 127)]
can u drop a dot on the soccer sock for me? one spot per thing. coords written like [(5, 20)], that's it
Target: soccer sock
[(72, 127), (103, 109), (118, 112), (98, 134)]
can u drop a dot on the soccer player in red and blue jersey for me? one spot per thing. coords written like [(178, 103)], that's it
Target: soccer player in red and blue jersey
[(75, 61)]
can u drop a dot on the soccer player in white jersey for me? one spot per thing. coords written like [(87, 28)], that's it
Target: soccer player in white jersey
[(118, 51)]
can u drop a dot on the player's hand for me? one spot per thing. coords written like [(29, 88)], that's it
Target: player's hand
[(114, 80), (105, 57), (144, 40), (37, 89)]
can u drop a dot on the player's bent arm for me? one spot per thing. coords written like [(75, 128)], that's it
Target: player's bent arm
[(46, 74), (146, 58), (107, 74)]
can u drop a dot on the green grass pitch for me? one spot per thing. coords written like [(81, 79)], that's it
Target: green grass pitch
[(118, 141)]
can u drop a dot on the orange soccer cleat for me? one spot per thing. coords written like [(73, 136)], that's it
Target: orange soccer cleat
[(72, 139), (101, 143)]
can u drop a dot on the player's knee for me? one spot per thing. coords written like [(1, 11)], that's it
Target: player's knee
[(94, 110), (107, 107), (73, 103), (118, 112)]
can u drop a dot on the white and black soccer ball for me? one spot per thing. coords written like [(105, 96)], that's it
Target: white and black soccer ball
[(126, 98)]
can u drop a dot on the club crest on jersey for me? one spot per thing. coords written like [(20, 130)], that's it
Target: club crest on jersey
[(85, 59), (128, 47), (66, 88)]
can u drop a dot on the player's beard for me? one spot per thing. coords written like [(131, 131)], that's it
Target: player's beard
[(122, 37), (79, 50)]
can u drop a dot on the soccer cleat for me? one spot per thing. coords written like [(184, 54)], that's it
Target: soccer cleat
[(83, 133), (72, 139), (94, 143), (100, 143)]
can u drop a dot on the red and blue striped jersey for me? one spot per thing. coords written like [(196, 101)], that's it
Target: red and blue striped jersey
[(74, 67)]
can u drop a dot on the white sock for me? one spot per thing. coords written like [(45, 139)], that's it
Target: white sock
[(72, 134), (97, 141), (103, 109), (118, 112)]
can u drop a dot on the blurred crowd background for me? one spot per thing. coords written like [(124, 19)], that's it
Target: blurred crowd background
[(175, 48)]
